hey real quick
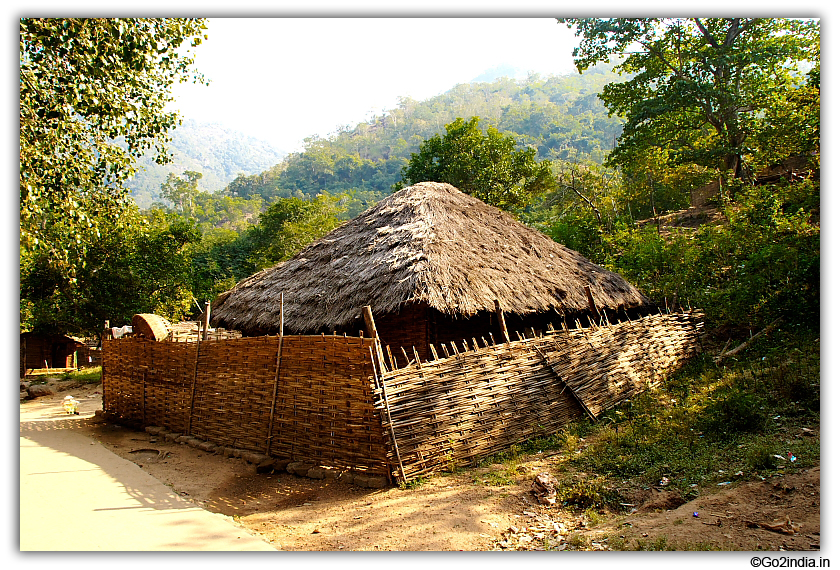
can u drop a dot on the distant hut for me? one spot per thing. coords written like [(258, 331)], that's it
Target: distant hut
[(44, 352), (434, 264)]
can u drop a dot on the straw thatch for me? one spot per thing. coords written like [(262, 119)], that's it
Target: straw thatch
[(426, 244)]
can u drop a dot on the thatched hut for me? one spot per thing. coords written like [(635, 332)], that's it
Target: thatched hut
[(433, 264)]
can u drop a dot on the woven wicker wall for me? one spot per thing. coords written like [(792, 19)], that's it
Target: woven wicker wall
[(224, 392), (481, 400), (474, 401), (469, 406)]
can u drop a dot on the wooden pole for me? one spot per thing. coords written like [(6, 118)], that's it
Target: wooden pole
[(274, 397), (370, 325), (206, 319), (591, 300), (380, 384), (104, 378), (501, 317), (276, 377), (744, 345), (369, 322), (574, 394), (195, 380)]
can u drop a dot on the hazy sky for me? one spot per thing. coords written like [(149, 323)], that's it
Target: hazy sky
[(284, 79)]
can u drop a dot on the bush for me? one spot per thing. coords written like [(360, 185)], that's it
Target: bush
[(763, 264), (588, 493), (734, 413)]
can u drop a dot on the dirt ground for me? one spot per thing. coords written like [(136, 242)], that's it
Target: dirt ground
[(452, 511)]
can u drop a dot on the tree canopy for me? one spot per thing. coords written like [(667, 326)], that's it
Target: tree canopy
[(485, 165), (93, 94), (705, 91)]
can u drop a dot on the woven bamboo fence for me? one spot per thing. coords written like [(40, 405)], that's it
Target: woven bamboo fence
[(479, 400), (343, 402), (299, 397)]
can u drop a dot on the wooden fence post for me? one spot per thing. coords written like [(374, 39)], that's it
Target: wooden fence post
[(195, 380), (370, 325), (591, 300), (276, 380), (502, 324), (102, 356), (381, 385), (206, 319)]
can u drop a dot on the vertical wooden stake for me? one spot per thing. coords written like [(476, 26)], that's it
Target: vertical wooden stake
[(591, 300), (370, 324), (195, 380), (206, 320), (143, 401), (381, 386), (274, 397), (276, 376), (501, 317)]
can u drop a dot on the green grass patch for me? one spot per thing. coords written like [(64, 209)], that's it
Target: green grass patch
[(85, 375)]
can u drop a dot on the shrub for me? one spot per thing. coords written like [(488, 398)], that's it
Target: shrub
[(734, 413)]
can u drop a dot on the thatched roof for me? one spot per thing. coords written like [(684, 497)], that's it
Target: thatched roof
[(427, 243)]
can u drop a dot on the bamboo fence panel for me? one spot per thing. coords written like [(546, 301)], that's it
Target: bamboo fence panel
[(325, 398), (478, 401), (233, 392), (222, 392)]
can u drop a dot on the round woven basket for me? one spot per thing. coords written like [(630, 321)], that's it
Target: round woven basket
[(152, 327)]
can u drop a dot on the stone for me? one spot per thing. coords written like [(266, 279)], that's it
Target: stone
[(208, 446), (281, 464), (39, 390), (193, 441), (544, 488), (371, 481), (172, 436), (317, 473), (253, 457), (183, 439), (266, 466), (154, 430), (299, 468)]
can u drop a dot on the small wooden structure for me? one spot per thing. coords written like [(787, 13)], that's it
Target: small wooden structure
[(48, 353)]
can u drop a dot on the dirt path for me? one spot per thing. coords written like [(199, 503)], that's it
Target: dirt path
[(459, 511)]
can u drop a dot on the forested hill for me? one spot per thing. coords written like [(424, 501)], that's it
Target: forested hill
[(560, 116), (220, 154)]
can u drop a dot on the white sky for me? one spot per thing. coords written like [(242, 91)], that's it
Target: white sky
[(284, 79)]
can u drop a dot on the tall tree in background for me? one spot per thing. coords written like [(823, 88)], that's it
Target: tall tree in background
[(92, 99), (487, 166), (704, 90), (181, 190)]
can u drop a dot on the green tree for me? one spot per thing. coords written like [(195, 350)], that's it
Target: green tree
[(288, 226), (181, 190), (705, 90), (93, 96), (137, 265), (487, 166)]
